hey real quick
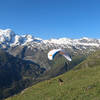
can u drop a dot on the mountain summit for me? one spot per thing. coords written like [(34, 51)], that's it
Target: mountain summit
[(9, 39)]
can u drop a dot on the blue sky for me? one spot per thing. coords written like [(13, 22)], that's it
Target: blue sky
[(52, 18)]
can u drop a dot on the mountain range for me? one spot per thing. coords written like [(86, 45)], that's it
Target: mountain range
[(8, 38), (80, 83), (26, 56), (34, 49)]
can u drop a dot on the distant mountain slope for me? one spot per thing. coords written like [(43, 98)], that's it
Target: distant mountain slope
[(35, 49), (16, 74), (81, 83)]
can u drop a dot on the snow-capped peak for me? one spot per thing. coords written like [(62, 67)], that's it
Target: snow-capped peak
[(85, 38), (6, 35), (8, 38), (7, 32)]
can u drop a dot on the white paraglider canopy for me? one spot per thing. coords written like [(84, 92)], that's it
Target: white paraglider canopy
[(52, 53)]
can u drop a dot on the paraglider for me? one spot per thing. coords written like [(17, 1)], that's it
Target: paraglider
[(53, 52)]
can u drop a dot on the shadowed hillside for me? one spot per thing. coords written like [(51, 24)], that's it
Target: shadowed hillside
[(16, 74)]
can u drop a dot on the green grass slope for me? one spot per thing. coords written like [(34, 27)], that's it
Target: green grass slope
[(81, 83)]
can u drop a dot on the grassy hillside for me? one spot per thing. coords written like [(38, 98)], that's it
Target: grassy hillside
[(17, 74), (81, 83)]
